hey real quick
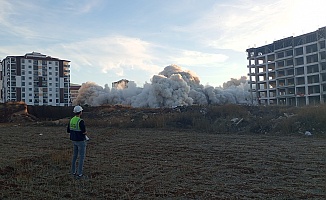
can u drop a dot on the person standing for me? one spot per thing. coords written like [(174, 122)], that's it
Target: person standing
[(77, 130)]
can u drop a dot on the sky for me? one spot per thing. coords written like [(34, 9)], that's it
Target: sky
[(110, 40)]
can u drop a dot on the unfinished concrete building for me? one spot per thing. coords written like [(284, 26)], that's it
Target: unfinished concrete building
[(290, 71)]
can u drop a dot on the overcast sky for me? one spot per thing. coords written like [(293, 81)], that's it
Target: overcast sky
[(109, 40)]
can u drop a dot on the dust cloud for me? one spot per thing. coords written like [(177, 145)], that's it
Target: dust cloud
[(170, 88)]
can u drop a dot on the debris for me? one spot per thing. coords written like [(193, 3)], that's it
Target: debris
[(288, 115), (308, 133), (145, 117), (234, 120), (239, 121)]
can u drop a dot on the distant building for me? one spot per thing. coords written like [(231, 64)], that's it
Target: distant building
[(74, 88), (290, 71), (36, 79), (122, 84)]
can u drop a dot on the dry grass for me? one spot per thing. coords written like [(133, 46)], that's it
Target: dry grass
[(161, 164)]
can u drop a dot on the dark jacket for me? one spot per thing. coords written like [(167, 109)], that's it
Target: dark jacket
[(77, 135)]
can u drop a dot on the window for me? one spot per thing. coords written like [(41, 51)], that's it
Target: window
[(300, 81), (29, 72), (280, 63), (289, 62), (23, 60), (23, 78), (299, 61), (311, 48), (312, 58), (50, 73), (29, 66), (30, 100), (50, 78), (280, 55), (312, 68), (30, 89), (298, 51), (56, 68), (30, 94), (23, 66), (300, 71), (23, 84), (56, 63), (23, 72), (323, 65), (29, 61), (289, 53), (290, 72), (30, 83), (323, 55)]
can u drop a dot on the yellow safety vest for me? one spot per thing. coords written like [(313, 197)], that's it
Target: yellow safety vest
[(74, 123)]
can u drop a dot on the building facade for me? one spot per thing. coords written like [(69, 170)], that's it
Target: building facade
[(122, 84), (74, 89), (290, 71), (36, 79)]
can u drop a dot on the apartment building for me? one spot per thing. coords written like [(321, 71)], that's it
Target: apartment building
[(290, 71), (74, 89), (36, 79)]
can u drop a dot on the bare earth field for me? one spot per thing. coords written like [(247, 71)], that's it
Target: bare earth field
[(161, 164)]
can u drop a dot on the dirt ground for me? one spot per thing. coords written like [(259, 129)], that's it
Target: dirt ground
[(161, 164)]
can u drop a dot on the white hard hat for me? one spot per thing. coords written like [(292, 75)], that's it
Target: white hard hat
[(77, 109)]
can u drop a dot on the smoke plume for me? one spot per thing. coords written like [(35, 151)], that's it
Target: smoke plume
[(171, 87)]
